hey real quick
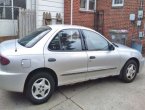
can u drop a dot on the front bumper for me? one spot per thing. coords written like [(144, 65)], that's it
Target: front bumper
[(142, 61), (12, 81)]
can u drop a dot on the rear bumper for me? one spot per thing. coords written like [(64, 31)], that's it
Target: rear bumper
[(12, 81), (142, 61)]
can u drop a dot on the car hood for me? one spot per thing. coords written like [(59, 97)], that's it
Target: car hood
[(124, 50), (123, 47)]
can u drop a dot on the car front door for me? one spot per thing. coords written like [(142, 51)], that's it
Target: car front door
[(66, 57), (102, 61)]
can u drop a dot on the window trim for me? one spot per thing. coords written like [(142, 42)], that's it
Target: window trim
[(87, 7), (81, 38), (117, 5)]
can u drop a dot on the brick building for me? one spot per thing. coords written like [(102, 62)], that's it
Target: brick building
[(108, 16)]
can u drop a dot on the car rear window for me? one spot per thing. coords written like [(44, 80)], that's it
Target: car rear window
[(31, 39)]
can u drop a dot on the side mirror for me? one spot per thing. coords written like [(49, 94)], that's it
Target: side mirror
[(111, 47)]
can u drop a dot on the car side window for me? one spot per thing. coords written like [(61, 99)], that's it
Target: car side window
[(94, 41), (66, 40)]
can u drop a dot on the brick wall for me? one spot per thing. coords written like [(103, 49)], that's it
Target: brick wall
[(114, 18), (118, 18), (79, 17)]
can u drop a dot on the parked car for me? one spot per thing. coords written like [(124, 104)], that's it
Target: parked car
[(58, 55)]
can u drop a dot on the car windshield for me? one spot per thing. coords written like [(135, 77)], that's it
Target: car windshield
[(31, 39)]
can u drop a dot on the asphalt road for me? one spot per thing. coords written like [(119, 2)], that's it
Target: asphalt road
[(101, 94)]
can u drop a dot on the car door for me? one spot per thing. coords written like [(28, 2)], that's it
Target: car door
[(66, 57), (102, 61)]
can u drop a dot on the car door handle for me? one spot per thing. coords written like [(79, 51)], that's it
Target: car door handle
[(92, 57), (51, 59)]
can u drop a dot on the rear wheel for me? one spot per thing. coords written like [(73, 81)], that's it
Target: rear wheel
[(40, 87), (129, 71)]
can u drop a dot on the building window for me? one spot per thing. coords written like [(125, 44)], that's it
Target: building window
[(91, 4), (9, 9), (83, 4), (87, 5), (117, 3)]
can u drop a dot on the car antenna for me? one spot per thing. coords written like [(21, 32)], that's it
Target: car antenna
[(14, 32), (15, 38)]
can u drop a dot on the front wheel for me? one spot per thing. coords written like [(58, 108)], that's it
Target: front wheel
[(129, 71), (40, 87)]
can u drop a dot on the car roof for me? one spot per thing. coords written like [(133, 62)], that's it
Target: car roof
[(63, 26)]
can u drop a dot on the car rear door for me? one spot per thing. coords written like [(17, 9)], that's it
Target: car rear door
[(101, 60), (66, 57)]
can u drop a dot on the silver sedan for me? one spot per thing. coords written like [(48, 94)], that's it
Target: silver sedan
[(58, 55)]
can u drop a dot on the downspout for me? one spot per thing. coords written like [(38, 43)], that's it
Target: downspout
[(71, 18), (95, 12)]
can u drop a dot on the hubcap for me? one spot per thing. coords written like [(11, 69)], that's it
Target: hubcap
[(131, 71), (40, 88)]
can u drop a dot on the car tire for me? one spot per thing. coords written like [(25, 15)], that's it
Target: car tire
[(129, 71), (40, 87)]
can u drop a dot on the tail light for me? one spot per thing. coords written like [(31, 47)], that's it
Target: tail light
[(4, 61)]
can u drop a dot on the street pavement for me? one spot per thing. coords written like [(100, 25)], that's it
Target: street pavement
[(101, 94)]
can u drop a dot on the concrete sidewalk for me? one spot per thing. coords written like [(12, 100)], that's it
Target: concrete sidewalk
[(101, 94)]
